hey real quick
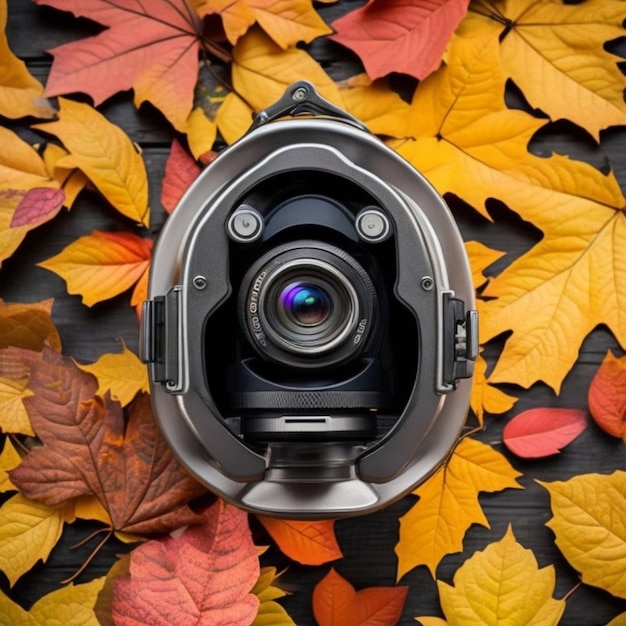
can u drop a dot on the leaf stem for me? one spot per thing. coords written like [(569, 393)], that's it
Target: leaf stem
[(573, 590), (90, 558)]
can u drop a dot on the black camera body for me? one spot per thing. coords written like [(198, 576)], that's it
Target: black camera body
[(310, 329)]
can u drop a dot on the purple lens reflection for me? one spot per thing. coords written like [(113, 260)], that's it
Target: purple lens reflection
[(305, 304)]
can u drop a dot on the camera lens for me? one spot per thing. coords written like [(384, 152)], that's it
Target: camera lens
[(307, 304)]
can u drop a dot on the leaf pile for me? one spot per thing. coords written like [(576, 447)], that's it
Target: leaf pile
[(464, 90)]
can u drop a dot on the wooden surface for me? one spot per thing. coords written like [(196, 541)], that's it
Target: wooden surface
[(367, 542)]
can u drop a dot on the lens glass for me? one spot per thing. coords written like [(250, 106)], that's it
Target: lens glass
[(305, 304)]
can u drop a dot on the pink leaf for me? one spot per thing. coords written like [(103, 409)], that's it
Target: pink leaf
[(541, 432), (38, 205), (180, 171)]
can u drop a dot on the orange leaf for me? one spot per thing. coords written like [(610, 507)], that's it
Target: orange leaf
[(28, 326), (607, 396), (90, 449), (310, 543), (102, 265), (336, 603), (105, 154), (152, 48), (204, 576), (399, 36), (180, 171)]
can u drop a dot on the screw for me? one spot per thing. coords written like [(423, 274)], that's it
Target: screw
[(300, 94), (372, 225), (199, 282), (245, 224), (427, 283)]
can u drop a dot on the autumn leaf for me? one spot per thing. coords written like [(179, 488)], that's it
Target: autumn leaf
[(501, 585), (555, 52), (122, 374), (448, 505), (588, 521), (21, 169), (70, 179), (28, 532), (105, 154), (261, 72), (337, 603), (21, 95), (102, 265), (180, 171), (540, 432), (28, 326), (71, 605), (151, 49), (400, 36), (13, 415), (465, 140), (309, 543), (204, 576), (9, 459), (287, 22), (37, 206), (270, 613), (487, 398), (90, 450), (201, 134), (480, 258), (607, 396)]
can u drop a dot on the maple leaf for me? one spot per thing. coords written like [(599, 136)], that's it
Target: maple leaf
[(102, 265), (180, 171), (123, 375), (287, 22), (486, 398), (261, 72), (502, 584), (204, 576), (588, 521), (28, 532), (310, 543), (336, 603), (71, 605), (607, 396), (20, 94), (555, 53), (28, 326), (105, 154), (400, 35), (21, 170), (480, 257), (465, 141), (89, 450), (540, 432), (449, 505), (152, 49)]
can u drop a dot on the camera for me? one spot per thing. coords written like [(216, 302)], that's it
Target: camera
[(309, 328)]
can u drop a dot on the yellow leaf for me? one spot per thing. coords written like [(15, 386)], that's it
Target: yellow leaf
[(261, 73), (270, 613), (448, 505), (486, 397), (28, 532), (9, 458), (431, 621), (71, 606), (105, 154), (72, 180), (28, 326), (480, 258), (555, 53), (201, 132), (89, 507), (620, 620), (13, 416), (588, 520), (287, 22), (122, 374), (102, 265), (20, 94), (501, 585)]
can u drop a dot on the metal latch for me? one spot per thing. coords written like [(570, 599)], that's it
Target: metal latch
[(460, 340), (159, 339)]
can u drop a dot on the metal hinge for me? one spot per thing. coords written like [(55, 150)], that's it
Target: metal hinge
[(460, 340), (159, 339)]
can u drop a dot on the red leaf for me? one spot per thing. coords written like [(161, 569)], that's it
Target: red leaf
[(408, 36), (38, 205), (336, 603), (607, 396), (151, 47), (202, 577), (180, 171), (543, 431)]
